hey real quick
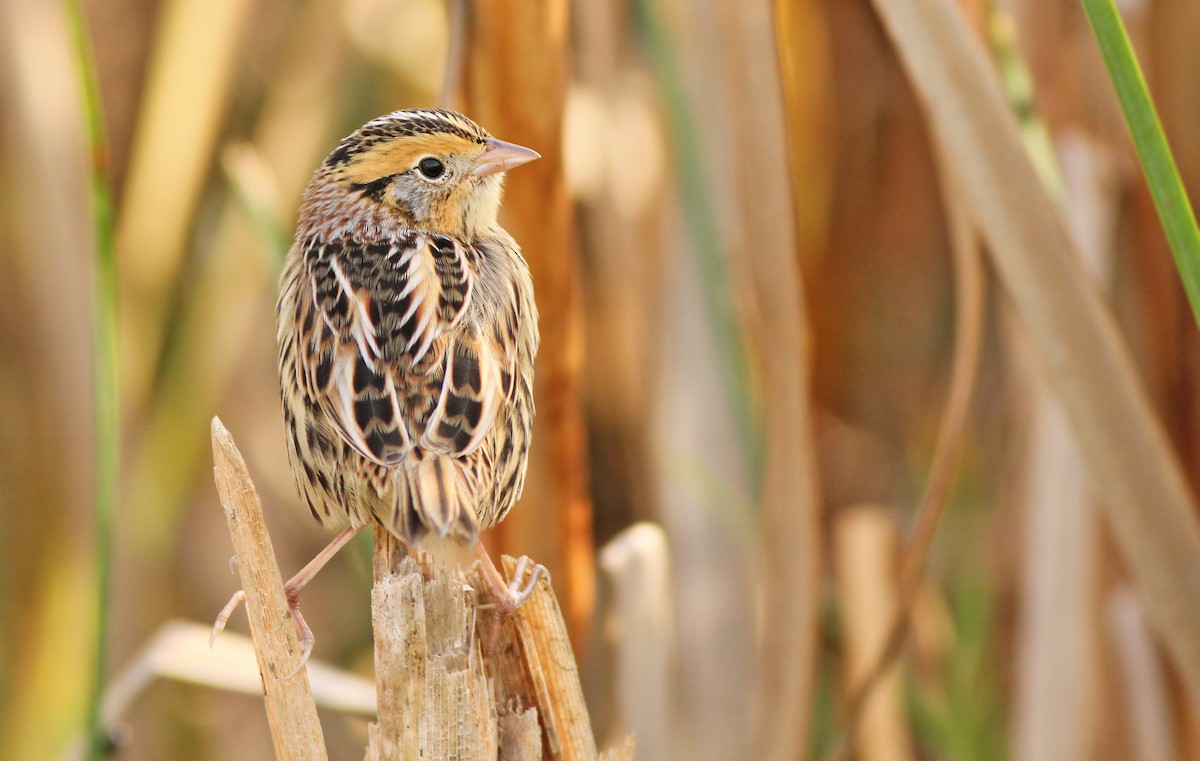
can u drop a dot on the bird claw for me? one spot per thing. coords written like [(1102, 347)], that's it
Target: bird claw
[(518, 591), (223, 616), (307, 640), (292, 591)]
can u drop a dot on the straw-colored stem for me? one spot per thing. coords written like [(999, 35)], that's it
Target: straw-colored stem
[(767, 265), (291, 710), (456, 681), (865, 545)]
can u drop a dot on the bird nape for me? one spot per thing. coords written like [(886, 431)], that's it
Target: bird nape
[(407, 334)]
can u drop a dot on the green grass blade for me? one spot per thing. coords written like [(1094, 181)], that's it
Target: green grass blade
[(107, 455), (1170, 199)]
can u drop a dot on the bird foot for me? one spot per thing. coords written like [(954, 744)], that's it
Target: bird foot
[(519, 590), (507, 597), (292, 591), (307, 640), (226, 612)]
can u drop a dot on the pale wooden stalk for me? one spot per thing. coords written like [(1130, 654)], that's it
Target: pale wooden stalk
[(638, 633), (1075, 337), (291, 710), (434, 697), (554, 674), (865, 564), (455, 682)]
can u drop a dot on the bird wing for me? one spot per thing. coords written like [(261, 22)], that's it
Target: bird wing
[(470, 392), (383, 350)]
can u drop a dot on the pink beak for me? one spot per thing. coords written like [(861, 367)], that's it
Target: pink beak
[(501, 156)]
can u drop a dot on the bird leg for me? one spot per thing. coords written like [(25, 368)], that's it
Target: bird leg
[(509, 595), (292, 590)]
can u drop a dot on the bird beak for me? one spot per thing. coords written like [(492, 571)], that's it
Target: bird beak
[(501, 156)]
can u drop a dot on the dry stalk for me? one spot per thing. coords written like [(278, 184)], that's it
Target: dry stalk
[(515, 82), (969, 312), (766, 263), (291, 710), (864, 557), (454, 681)]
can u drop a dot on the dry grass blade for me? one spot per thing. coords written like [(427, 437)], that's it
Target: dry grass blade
[(1058, 666), (1075, 337), (969, 282), (181, 651), (291, 710), (789, 497)]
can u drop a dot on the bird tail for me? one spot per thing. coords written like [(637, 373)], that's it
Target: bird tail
[(440, 497)]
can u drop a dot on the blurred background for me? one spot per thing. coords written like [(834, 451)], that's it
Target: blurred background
[(741, 244)]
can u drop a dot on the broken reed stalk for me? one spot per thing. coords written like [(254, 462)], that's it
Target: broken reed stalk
[(455, 681), (291, 710)]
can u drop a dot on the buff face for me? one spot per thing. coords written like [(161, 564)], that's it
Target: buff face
[(442, 176)]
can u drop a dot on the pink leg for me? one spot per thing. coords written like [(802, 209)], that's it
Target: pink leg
[(512, 595), (292, 590)]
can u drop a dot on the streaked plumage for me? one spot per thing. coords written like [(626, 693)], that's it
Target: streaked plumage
[(407, 332)]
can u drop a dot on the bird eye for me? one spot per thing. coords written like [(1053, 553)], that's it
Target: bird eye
[(431, 167)]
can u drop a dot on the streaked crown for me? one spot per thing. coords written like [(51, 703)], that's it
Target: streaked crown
[(417, 122)]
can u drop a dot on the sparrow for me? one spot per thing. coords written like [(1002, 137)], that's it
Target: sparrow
[(407, 334)]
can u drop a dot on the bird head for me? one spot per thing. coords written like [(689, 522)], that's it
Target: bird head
[(431, 170)]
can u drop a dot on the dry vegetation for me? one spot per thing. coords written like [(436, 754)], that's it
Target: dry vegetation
[(850, 307)]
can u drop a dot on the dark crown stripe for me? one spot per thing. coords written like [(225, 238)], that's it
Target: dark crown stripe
[(404, 124)]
